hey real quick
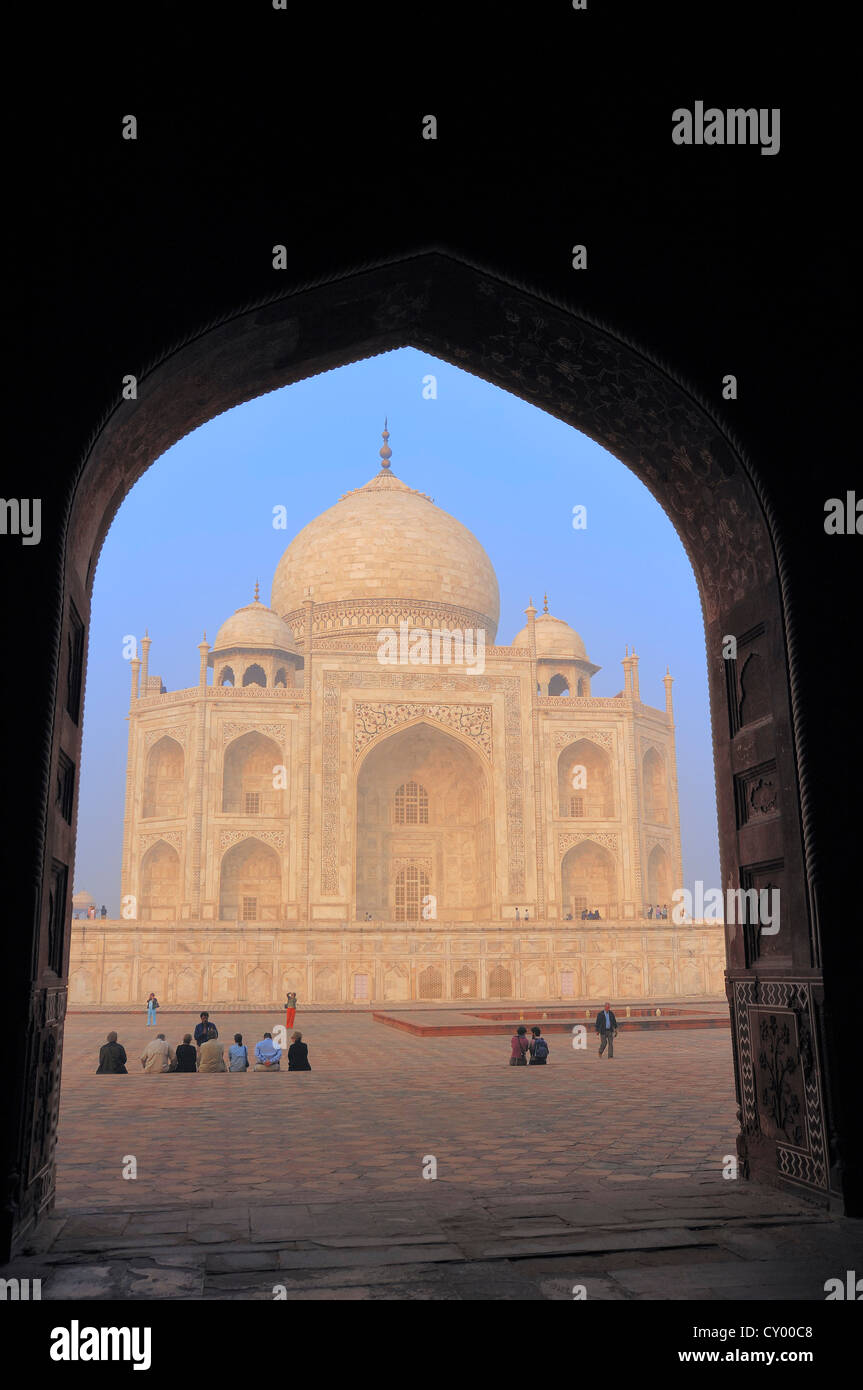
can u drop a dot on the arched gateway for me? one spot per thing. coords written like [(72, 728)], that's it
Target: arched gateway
[(589, 379)]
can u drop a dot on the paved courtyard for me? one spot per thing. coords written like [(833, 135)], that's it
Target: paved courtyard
[(377, 1102), (606, 1174)]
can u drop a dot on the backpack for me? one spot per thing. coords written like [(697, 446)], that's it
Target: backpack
[(540, 1049)]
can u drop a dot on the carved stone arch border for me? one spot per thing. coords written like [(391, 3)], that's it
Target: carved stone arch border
[(474, 745), (651, 745), (177, 734), (603, 738), (565, 363), (229, 839)]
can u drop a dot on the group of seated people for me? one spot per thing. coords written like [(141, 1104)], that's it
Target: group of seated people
[(592, 915), (208, 1055)]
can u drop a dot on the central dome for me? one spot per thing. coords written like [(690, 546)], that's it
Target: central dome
[(386, 550)]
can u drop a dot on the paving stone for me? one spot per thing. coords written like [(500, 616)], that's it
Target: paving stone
[(228, 1262), (160, 1282), (325, 1178), (386, 1255)]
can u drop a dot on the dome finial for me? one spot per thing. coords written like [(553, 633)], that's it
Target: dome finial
[(257, 592), (545, 603), (386, 451)]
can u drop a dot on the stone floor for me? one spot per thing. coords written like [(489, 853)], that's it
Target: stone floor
[(588, 1172)]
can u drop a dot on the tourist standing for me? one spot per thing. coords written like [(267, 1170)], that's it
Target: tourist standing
[(538, 1048), (298, 1054), (157, 1055), (518, 1048), (238, 1054), (152, 1006), (606, 1027), (112, 1057), (290, 1010), (205, 1030), (187, 1056)]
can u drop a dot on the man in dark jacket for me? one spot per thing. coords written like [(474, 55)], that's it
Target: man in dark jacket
[(112, 1057), (606, 1027), (205, 1030)]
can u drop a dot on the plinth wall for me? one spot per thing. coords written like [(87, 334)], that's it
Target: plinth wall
[(118, 962)]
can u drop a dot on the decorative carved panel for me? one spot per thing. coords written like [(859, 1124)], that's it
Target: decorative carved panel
[(473, 721), (757, 793), (277, 732), (604, 737), (276, 838), (171, 837), (662, 840), (780, 1093), (177, 732), (569, 838)]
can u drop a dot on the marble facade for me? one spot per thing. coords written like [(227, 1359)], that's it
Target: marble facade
[(318, 820)]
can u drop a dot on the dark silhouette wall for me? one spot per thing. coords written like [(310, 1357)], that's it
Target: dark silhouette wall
[(133, 249)]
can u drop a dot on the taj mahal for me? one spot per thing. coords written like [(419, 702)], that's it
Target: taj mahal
[(365, 799)]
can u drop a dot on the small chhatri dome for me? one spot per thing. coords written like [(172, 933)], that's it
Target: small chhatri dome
[(257, 627), (554, 637)]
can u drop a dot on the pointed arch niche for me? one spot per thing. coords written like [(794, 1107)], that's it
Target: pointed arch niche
[(164, 779), (424, 821)]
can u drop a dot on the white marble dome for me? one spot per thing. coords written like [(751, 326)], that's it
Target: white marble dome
[(554, 638), (388, 543), (257, 627)]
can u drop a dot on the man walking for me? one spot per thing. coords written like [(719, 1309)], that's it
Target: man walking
[(606, 1027)]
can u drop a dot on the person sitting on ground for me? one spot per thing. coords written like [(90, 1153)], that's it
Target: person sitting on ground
[(211, 1056), (518, 1048), (538, 1048), (187, 1056), (112, 1057), (205, 1030), (267, 1055), (238, 1054), (298, 1054), (157, 1055)]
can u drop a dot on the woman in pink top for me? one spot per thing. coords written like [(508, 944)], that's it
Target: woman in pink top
[(520, 1045)]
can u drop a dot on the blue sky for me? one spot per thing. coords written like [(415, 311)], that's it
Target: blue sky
[(196, 531)]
